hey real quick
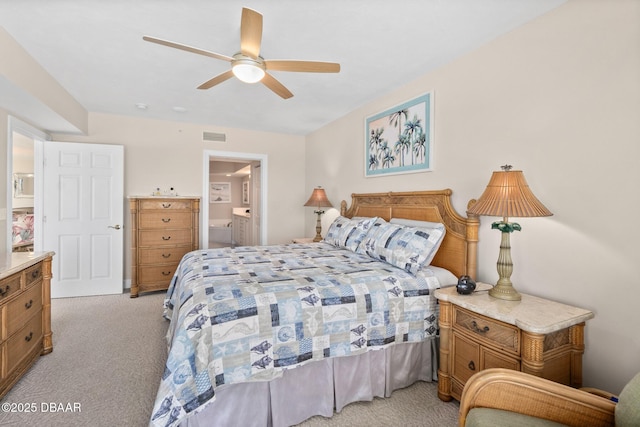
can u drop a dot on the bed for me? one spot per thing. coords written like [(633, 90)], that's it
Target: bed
[(273, 335)]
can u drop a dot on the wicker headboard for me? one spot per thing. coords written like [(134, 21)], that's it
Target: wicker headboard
[(458, 252)]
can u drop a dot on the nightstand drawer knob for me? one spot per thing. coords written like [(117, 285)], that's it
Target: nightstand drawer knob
[(28, 337), (29, 304), (478, 330), (472, 366)]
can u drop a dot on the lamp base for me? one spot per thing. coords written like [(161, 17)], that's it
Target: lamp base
[(318, 226), (505, 292), (504, 289)]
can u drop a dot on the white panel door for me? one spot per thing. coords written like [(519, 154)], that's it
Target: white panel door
[(83, 217)]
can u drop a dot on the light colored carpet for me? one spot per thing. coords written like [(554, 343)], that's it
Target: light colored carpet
[(108, 357)]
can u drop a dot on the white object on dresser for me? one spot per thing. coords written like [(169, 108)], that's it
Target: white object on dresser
[(25, 314), (534, 335)]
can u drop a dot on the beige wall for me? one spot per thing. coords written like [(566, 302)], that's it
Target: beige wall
[(558, 98), (170, 154)]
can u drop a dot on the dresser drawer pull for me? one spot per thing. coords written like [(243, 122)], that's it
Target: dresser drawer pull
[(166, 238), (28, 337), (166, 219), (4, 292), (472, 366), (166, 255), (478, 330), (166, 273), (28, 304), (35, 273), (166, 205)]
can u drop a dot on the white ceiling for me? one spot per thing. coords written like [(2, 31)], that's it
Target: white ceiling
[(94, 49)]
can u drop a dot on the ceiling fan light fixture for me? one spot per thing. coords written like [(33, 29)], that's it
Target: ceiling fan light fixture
[(247, 71)]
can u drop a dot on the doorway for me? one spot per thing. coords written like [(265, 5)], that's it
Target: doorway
[(234, 199), (24, 187)]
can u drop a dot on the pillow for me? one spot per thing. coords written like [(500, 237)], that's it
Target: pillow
[(348, 233), (444, 276), (422, 224), (408, 248)]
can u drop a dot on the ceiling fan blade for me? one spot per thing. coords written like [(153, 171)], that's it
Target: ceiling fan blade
[(302, 66), (273, 84), (216, 80), (250, 32), (188, 48)]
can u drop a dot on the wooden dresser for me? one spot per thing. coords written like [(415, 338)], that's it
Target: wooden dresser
[(163, 230), (25, 314), (535, 335)]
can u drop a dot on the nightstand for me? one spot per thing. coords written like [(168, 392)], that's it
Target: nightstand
[(535, 335), (302, 240)]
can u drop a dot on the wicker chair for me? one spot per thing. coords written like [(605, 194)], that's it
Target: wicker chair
[(496, 397)]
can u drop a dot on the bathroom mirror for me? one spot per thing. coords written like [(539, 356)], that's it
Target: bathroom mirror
[(22, 185)]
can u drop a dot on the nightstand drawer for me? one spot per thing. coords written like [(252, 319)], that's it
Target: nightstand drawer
[(502, 335), (466, 360)]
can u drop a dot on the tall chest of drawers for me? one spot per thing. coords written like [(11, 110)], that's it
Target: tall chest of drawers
[(163, 230), (25, 314)]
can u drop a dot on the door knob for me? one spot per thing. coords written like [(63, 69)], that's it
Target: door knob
[(117, 226)]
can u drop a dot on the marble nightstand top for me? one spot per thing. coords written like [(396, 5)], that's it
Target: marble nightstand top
[(531, 314)]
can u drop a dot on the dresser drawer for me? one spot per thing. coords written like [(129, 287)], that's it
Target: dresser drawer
[(165, 237), (23, 343), (9, 286), (162, 255), (33, 274), (493, 332), (168, 219), (165, 204), (22, 308), (156, 273)]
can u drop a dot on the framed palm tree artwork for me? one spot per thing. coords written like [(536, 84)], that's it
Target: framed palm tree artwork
[(400, 139)]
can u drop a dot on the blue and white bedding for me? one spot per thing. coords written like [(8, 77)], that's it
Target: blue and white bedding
[(247, 314)]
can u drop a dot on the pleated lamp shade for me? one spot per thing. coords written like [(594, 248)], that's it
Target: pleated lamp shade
[(508, 195), (318, 199)]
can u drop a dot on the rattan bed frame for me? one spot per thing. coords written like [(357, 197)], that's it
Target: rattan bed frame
[(458, 252)]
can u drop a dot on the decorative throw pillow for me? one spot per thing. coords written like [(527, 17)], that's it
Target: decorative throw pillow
[(423, 224), (408, 248), (348, 233)]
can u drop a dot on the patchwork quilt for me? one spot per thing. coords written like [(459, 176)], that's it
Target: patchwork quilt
[(247, 314)]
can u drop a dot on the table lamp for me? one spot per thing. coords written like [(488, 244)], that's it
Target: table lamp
[(507, 195), (318, 199)]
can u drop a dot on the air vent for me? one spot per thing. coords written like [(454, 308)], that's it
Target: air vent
[(214, 136)]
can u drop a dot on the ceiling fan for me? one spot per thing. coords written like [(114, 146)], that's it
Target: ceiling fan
[(247, 65)]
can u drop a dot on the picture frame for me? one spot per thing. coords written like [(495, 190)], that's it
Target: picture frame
[(245, 192), (219, 192), (399, 139)]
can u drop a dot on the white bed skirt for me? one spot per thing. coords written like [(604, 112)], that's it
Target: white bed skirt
[(318, 388)]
